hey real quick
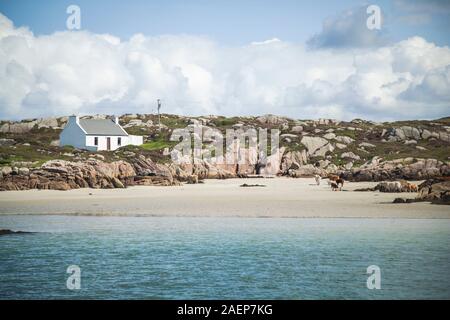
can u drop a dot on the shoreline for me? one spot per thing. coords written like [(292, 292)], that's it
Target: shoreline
[(280, 198)]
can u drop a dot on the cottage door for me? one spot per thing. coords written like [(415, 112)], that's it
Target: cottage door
[(108, 143)]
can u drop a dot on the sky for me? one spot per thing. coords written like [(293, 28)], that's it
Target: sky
[(303, 59)]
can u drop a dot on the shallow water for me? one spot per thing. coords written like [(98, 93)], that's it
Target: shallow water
[(212, 258)]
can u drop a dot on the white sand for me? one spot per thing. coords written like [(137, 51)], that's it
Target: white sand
[(282, 197)]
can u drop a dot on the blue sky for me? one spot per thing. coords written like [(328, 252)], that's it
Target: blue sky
[(230, 22), (304, 59)]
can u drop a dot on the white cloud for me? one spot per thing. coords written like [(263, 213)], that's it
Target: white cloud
[(81, 72)]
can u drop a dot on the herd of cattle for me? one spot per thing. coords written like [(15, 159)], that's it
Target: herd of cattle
[(336, 183)]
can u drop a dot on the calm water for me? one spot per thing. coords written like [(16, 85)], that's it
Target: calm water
[(189, 258)]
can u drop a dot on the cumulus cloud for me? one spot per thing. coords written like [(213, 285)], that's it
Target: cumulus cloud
[(86, 73), (348, 30)]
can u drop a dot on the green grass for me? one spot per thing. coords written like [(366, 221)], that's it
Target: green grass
[(158, 145), (225, 122), (349, 133)]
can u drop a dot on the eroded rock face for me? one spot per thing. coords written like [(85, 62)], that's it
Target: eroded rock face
[(435, 190), (66, 175), (293, 160), (47, 123), (308, 170), (408, 169), (18, 127), (270, 119), (313, 144)]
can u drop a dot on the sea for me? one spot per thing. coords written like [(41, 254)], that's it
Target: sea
[(105, 257)]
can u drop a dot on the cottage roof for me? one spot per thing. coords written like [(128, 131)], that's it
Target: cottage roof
[(102, 127)]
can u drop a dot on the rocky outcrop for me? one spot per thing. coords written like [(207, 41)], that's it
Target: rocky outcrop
[(17, 127), (138, 123), (293, 160), (6, 142), (297, 129), (435, 190), (408, 169), (148, 172), (270, 119), (66, 175), (408, 133), (317, 146), (396, 186), (307, 170), (26, 126)]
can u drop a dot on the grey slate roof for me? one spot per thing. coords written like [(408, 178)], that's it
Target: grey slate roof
[(102, 127)]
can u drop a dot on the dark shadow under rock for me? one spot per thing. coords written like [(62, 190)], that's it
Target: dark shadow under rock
[(245, 185), (4, 232)]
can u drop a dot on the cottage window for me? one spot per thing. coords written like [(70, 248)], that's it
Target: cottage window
[(95, 141)]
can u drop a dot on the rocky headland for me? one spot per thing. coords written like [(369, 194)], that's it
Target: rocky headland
[(358, 150)]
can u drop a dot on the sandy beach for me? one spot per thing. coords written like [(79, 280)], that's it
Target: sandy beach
[(281, 197)]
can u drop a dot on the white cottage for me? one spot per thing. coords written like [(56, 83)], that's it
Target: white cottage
[(96, 134)]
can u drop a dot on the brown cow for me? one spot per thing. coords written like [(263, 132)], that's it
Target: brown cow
[(333, 177), (334, 186), (340, 181), (408, 187)]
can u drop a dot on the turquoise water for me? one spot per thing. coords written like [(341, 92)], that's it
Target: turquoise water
[(212, 258)]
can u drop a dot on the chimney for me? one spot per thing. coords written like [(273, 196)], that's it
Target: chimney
[(115, 119), (75, 119)]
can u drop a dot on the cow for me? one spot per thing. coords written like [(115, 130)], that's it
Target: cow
[(408, 187), (334, 186), (317, 177)]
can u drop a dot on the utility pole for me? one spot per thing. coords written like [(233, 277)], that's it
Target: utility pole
[(159, 116)]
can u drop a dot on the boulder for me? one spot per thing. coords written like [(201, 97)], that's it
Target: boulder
[(297, 129), (410, 142), (444, 136), (313, 144), (306, 171), (344, 139), (192, 179), (329, 136), (389, 186), (271, 119), (410, 132), (350, 155), (6, 171), (293, 160), (435, 190), (288, 137), (17, 127), (426, 134), (366, 145), (321, 152), (6, 142), (47, 123), (24, 171), (348, 165)]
